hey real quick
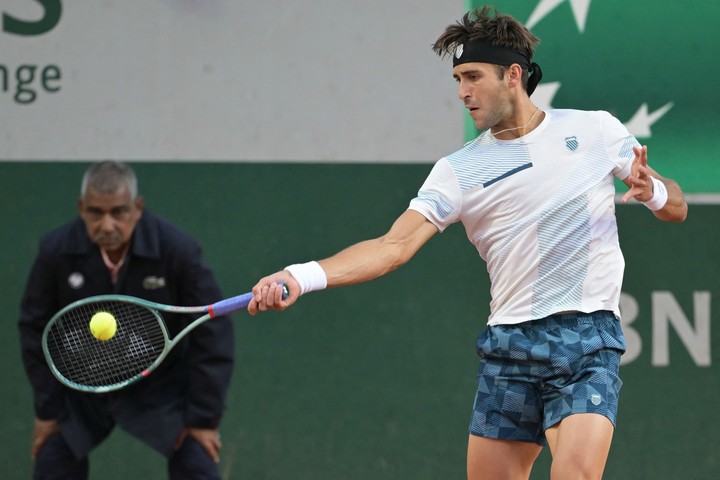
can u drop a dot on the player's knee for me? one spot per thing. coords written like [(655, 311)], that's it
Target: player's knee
[(577, 468)]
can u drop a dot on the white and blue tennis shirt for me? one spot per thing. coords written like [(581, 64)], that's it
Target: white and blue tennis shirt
[(540, 210)]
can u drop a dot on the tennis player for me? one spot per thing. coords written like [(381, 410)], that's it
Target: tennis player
[(535, 193)]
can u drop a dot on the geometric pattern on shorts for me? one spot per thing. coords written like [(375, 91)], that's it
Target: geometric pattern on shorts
[(534, 374)]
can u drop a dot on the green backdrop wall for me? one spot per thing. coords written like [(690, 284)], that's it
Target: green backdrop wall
[(376, 381), (652, 64)]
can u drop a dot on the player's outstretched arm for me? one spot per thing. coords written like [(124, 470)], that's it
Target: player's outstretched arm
[(361, 262), (662, 195)]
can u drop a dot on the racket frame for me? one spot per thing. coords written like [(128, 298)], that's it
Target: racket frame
[(220, 308)]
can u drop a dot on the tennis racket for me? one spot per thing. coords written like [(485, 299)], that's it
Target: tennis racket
[(139, 345)]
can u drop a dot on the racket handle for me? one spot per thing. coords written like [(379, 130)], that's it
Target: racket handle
[(233, 304)]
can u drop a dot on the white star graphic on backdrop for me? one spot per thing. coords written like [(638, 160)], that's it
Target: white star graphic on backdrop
[(579, 7), (544, 94), (639, 125)]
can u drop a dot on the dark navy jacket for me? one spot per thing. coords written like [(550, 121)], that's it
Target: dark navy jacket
[(164, 265)]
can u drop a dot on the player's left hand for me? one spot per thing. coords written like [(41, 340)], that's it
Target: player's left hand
[(640, 183), (208, 438)]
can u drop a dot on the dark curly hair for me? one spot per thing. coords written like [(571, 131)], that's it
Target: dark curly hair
[(488, 25)]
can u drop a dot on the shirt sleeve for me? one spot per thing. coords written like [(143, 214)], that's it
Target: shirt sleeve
[(440, 198), (619, 143)]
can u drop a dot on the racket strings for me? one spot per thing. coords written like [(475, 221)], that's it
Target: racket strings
[(83, 359)]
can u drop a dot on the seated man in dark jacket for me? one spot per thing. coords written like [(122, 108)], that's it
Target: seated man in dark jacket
[(116, 246)]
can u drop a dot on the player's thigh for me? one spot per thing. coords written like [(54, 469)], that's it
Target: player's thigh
[(493, 459), (580, 445)]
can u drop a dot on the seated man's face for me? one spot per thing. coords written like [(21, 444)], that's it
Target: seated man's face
[(110, 218)]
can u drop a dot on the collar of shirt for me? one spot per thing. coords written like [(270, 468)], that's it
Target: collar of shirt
[(114, 268)]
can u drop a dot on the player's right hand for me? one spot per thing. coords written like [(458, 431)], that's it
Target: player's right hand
[(268, 293)]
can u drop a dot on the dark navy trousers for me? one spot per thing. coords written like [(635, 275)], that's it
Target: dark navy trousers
[(55, 461)]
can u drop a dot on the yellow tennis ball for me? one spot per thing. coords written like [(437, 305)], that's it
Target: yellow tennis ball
[(103, 326)]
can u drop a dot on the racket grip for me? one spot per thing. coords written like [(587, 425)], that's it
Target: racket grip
[(233, 304)]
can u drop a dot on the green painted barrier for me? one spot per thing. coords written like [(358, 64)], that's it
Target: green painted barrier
[(376, 381)]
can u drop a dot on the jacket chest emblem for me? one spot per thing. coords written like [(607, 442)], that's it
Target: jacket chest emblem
[(153, 283), (76, 280)]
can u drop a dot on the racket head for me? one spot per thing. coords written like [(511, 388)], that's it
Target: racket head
[(82, 362)]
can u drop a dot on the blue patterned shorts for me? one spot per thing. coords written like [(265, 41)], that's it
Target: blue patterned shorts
[(534, 374)]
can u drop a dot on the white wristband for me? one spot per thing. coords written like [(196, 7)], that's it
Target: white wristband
[(309, 275), (660, 195)]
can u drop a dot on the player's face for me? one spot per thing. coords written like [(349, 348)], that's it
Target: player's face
[(484, 93), (110, 218)]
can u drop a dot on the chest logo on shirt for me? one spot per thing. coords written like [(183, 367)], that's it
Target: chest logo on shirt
[(572, 143), (153, 283), (76, 280)]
